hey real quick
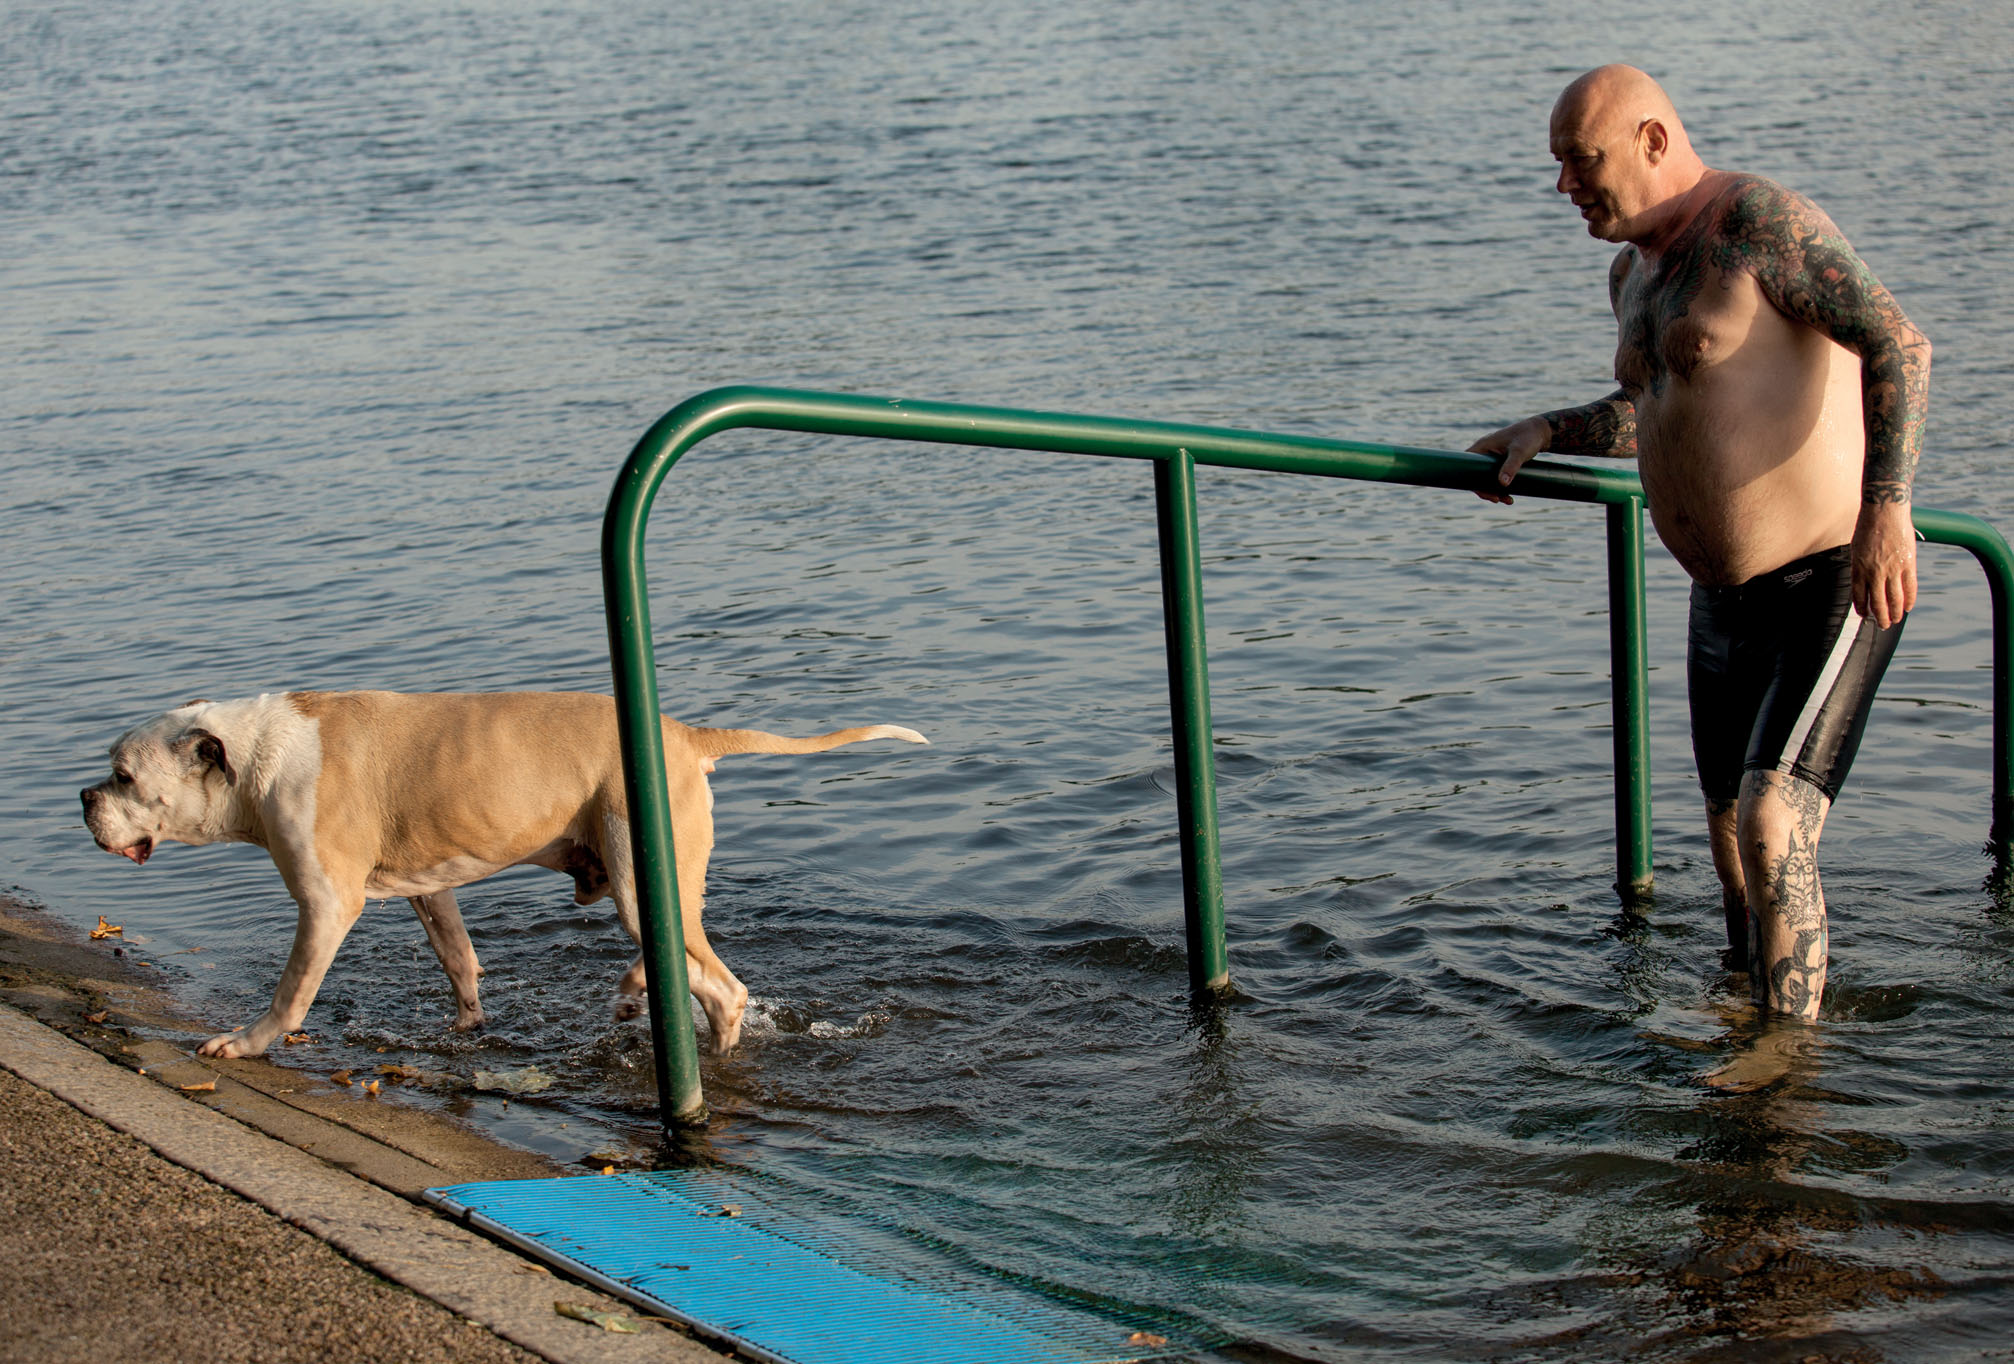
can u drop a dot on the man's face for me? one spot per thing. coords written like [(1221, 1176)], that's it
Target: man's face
[(1603, 169)]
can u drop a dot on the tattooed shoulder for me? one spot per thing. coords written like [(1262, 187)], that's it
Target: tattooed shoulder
[(1762, 218), (1799, 256)]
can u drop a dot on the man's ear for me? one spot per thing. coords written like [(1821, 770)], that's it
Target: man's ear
[(210, 749), (1656, 141)]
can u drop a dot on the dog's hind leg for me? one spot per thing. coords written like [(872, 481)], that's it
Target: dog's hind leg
[(442, 919), (620, 870), (723, 998)]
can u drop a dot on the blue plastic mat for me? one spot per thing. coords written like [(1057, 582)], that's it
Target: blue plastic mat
[(788, 1284)]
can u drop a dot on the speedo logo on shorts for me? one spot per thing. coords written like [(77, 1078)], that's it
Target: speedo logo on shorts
[(1793, 579)]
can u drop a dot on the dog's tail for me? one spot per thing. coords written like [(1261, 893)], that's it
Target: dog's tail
[(716, 743)]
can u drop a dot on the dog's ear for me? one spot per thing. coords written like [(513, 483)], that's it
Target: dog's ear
[(210, 749)]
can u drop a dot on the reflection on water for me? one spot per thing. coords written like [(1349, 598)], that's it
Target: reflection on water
[(1758, 1268), (1214, 1132), (1999, 882), (1759, 1263)]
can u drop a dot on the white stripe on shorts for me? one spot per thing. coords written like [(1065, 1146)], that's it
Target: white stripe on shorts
[(1821, 691)]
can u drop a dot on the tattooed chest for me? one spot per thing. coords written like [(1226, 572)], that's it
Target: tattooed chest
[(1675, 320)]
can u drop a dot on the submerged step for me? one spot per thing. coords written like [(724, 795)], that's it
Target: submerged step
[(790, 1284)]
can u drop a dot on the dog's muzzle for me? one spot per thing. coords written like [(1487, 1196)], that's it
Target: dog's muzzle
[(137, 853)]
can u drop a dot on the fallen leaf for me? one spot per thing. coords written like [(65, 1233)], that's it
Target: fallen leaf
[(1147, 1338), (98, 1017), (105, 930), (607, 1321), (371, 1088), (196, 1088), (401, 1072), (608, 1169), (730, 1210), (296, 1038), (341, 1077)]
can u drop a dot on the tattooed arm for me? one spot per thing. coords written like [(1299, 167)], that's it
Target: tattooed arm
[(1605, 428), (1808, 271)]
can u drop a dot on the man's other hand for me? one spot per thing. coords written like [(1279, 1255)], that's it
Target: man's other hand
[(1517, 443), (1884, 563)]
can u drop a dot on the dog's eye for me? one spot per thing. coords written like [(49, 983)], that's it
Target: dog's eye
[(124, 778)]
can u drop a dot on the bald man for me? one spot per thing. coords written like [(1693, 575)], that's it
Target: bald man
[(1773, 395)]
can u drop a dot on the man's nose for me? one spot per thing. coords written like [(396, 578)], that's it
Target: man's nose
[(1562, 182)]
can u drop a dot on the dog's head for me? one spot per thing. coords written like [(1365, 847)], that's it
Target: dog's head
[(171, 779)]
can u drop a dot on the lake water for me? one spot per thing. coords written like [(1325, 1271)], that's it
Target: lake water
[(327, 326)]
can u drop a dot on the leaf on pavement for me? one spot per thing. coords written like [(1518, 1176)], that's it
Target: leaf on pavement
[(607, 1321)]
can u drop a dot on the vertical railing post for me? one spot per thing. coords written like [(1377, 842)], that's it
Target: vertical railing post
[(1629, 689), (1992, 555), (674, 1048), (1997, 559), (2003, 705), (1189, 707)]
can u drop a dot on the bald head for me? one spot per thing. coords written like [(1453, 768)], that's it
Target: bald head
[(1618, 101), (1625, 159)]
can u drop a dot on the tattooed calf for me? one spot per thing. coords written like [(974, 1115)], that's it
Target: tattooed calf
[(1788, 943)]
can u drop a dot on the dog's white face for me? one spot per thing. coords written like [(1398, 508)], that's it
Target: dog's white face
[(170, 780)]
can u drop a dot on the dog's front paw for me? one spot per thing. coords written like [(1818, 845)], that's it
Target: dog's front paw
[(630, 1006), (250, 1040), (467, 1020), (230, 1045)]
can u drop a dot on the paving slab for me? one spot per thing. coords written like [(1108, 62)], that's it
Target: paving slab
[(265, 1214)]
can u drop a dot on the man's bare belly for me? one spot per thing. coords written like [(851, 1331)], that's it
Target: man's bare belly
[(1753, 462)]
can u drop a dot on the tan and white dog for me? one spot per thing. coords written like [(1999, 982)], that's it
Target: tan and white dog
[(358, 794)]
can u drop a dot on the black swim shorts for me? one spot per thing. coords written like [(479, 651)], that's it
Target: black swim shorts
[(1781, 673)]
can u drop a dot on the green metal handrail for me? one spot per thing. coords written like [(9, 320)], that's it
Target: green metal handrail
[(1176, 451)]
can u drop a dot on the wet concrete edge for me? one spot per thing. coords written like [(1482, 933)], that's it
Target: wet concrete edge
[(72, 1023)]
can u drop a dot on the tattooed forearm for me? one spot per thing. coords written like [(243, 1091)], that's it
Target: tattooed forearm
[(1895, 387), (1606, 428), (1807, 269)]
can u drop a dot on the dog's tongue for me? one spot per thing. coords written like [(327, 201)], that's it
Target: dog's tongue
[(139, 852)]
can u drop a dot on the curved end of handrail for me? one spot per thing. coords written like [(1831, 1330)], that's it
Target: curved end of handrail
[(677, 431), (1987, 544)]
